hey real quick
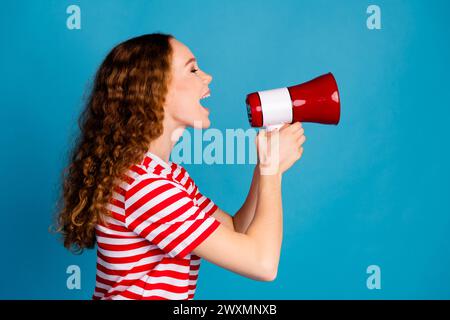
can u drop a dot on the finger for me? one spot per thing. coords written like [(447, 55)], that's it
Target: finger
[(299, 153), (296, 126), (262, 147), (299, 133), (262, 133), (260, 138), (284, 126), (302, 139)]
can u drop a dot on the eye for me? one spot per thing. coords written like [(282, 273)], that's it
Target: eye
[(194, 70)]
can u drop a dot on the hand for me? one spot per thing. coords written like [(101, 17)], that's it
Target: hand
[(278, 150)]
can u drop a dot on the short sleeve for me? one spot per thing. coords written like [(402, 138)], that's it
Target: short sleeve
[(164, 214), (205, 203)]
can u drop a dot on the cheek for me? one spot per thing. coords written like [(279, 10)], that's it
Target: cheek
[(176, 94), (179, 104), (183, 99), (187, 93), (190, 84)]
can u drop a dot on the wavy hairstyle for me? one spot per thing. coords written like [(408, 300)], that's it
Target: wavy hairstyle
[(122, 115)]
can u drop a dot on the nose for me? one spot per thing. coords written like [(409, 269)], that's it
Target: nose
[(207, 78)]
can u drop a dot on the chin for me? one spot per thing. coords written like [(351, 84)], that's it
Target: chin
[(207, 124), (200, 123)]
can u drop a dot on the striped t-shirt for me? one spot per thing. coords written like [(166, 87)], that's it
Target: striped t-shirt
[(144, 250)]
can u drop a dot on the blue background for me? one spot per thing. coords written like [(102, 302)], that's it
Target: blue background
[(372, 190)]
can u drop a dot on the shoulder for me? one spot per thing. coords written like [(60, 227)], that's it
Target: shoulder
[(150, 182), (150, 194), (178, 170), (139, 175), (181, 176)]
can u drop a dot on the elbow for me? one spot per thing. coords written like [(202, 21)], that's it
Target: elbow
[(266, 263), (270, 277), (269, 272)]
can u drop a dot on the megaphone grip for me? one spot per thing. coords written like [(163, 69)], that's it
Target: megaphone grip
[(274, 127)]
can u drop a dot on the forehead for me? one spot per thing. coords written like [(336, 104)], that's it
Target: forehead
[(181, 54)]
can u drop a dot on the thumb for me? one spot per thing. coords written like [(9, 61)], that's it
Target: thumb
[(261, 139), (262, 133), (258, 137)]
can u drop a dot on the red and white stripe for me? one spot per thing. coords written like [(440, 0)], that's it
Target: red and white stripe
[(144, 249)]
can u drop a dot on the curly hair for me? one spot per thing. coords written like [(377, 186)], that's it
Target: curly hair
[(122, 115)]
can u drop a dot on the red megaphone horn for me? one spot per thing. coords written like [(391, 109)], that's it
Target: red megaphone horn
[(314, 101)]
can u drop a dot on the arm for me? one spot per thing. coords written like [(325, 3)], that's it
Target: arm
[(255, 253), (245, 214)]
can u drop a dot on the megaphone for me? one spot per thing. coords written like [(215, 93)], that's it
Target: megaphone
[(314, 101)]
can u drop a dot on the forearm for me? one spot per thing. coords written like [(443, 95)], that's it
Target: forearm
[(245, 214), (266, 228)]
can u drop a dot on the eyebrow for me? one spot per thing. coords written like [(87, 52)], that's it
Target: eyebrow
[(189, 61)]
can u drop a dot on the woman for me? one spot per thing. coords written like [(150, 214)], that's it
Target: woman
[(150, 221)]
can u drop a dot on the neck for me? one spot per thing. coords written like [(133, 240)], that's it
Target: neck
[(163, 145)]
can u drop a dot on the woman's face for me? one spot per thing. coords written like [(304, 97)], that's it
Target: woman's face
[(188, 85)]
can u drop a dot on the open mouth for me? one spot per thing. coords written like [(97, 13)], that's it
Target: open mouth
[(206, 95)]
